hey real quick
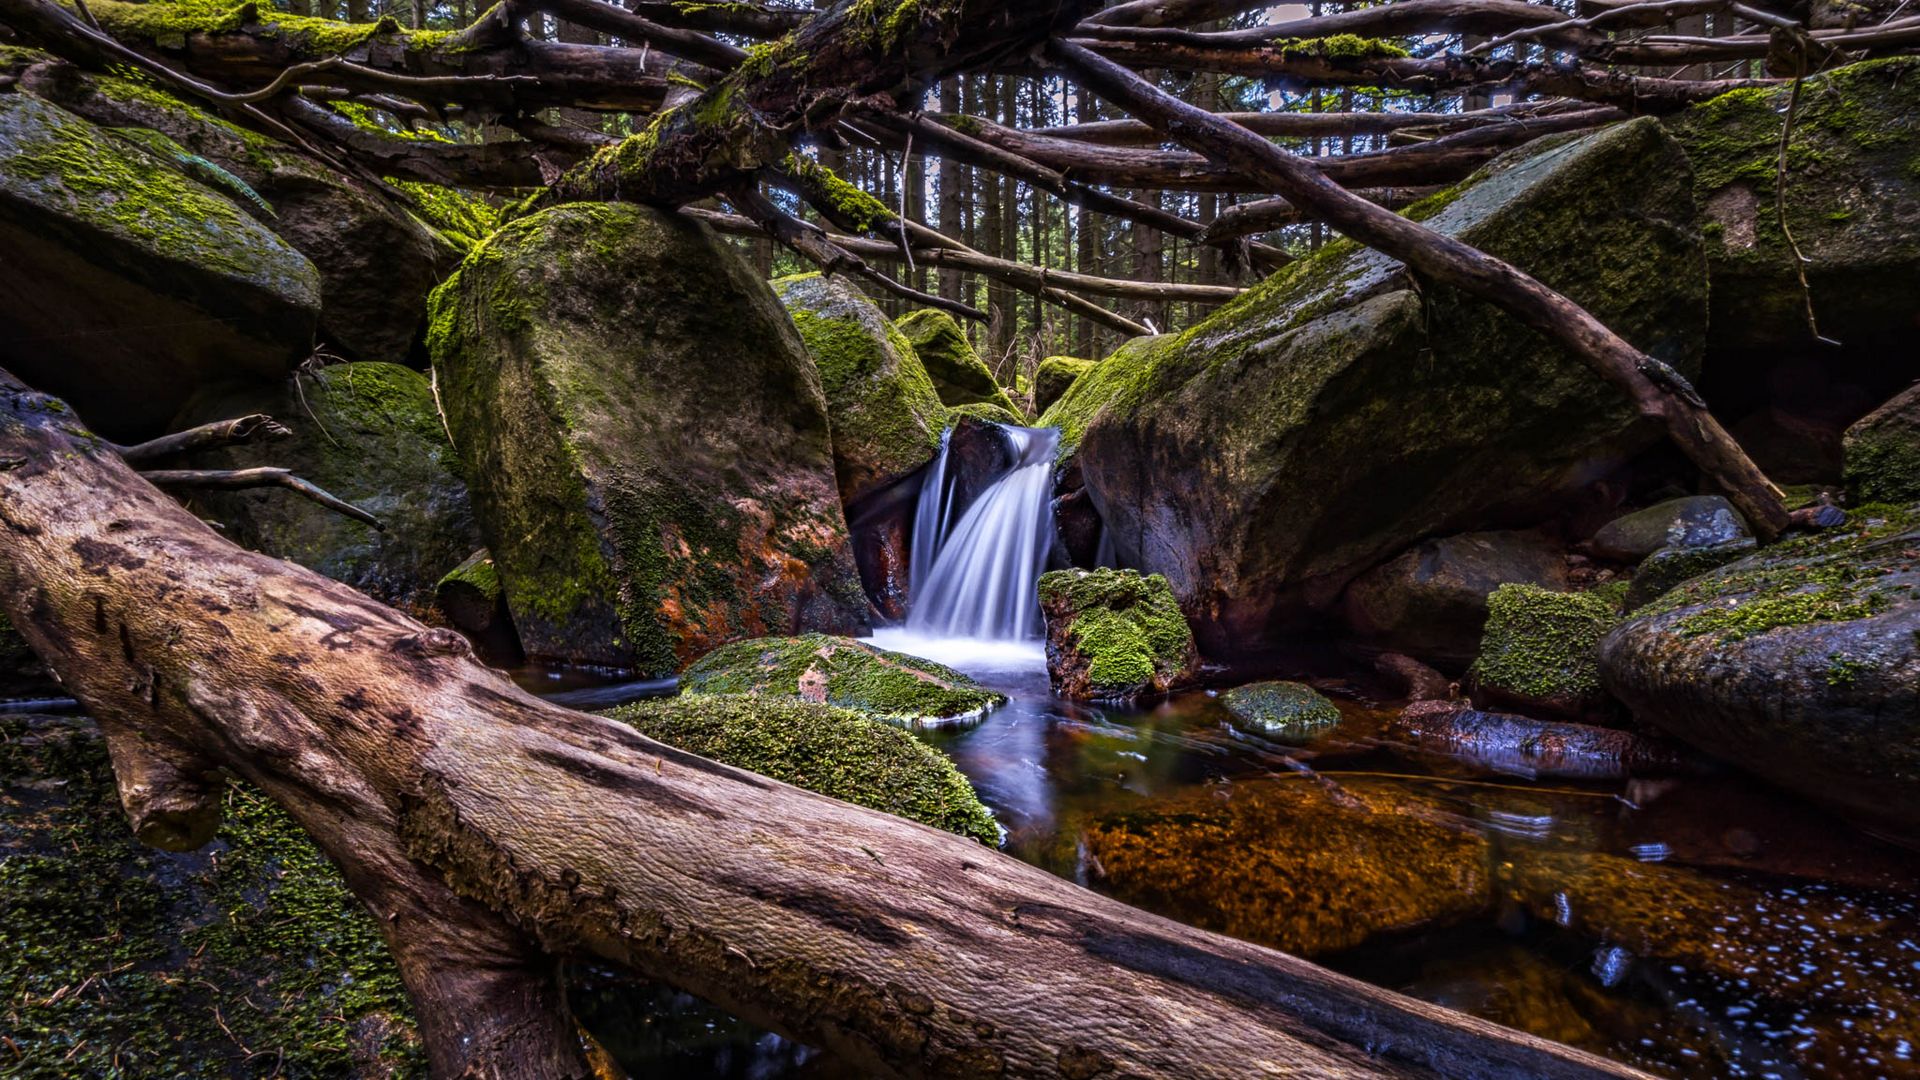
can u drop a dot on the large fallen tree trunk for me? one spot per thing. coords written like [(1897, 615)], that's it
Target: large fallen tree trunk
[(490, 833)]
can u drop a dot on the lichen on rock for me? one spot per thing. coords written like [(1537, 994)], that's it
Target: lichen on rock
[(832, 751), (1114, 635), (842, 672)]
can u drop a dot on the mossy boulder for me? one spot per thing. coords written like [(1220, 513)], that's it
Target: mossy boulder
[(1689, 522), (126, 284), (959, 375), (376, 257), (1799, 663), (835, 752), (1054, 376), (1114, 635), (645, 439), (1852, 203), (1288, 711), (1334, 415), (1668, 567), (885, 414), (245, 958), (1431, 600), (1883, 453), (367, 433), (1293, 866), (842, 672), (1539, 649), (986, 412), (474, 602)]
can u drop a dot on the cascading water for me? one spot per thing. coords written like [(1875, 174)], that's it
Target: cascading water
[(981, 575)]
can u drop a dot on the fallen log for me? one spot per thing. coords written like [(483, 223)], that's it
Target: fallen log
[(491, 833)]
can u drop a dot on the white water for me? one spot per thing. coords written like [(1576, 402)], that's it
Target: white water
[(982, 572)]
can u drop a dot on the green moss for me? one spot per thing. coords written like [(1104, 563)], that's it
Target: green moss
[(1054, 376), (1283, 710), (1668, 567), (1116, 386), (1127, 628), (477, 573), (1540, 644), (463, 219), (842, 672), (986, 413), (168, 24), (854, 208), (1340, 47), (1821, 577), (831, 751), (958, 373), (245, 959), (1883, 465)]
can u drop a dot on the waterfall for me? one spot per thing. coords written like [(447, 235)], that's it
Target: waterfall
[(982, 574)]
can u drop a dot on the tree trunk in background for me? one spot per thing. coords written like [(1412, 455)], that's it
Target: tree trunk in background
[(953, 183), (1087, 257), (490, 833), (1004, 193)]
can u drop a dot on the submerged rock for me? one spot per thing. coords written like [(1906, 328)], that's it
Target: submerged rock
[(1431, 601), (885, 415), (1292, 864), (1800, 663), (1883, 453), (1509, 744), (835, 752), (645, 439), (1114, 635), (1333, 416), (367, 433), (172, 284), (960, 376), (1054, 377), (1852, 203), (1692, 522), (1280, 710), (1539, 649), (842, 672)]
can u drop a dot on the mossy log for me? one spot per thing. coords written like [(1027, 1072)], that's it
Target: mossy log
[(490, 832)]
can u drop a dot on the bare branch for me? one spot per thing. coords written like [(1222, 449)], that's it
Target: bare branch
[(236, 479)]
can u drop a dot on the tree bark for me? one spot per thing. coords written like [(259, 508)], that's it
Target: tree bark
[(490, 833)]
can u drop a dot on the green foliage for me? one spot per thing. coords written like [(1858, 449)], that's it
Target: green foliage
[(842, 672), (831, 751), (1541, 644)]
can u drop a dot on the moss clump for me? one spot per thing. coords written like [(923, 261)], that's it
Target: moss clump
[(958, 373), (1115, 387), (842, 672), (168, 24), (459, 218), (247, 958), (1283, 710), (832, 751), (1822, 577), (1540, 645), (850, 204), (985, 412), (1340, 47), (1054, 376), (1114, 634)]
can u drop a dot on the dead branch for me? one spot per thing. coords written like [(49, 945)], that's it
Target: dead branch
[(219, 433), (264, 476)]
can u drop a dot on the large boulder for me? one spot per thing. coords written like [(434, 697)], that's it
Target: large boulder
[(1539, 650), (1883, 452), (885, 415), (832, 751), (126, 284), (960, 376), (645, 440), (1114, 635), (844, 673), (1335, 415), (377, 260), (1852, 204), (367, 433), (1690, 522), (1053, 378), (1800, 663), (1431, 601)]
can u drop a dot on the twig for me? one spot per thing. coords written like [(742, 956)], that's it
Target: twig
[(1780, 190), (219, 433), (235, 479)]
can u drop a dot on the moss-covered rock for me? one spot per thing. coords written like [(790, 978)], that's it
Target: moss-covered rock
[(1054, 376), (367, 433), (1538, 650), (247, 958), (841, 672), (1800, 663), (1431, 600), (959, 375), (1883, 452), (985, 411), (1333, 416), (1852, 202), (474, 602), (835, 752), (885, 414), (1689, 522), (172, 283), (645, 440), (1292, 866), (1114, 635), (377, 258), (1288, 711), (1668, 567)]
